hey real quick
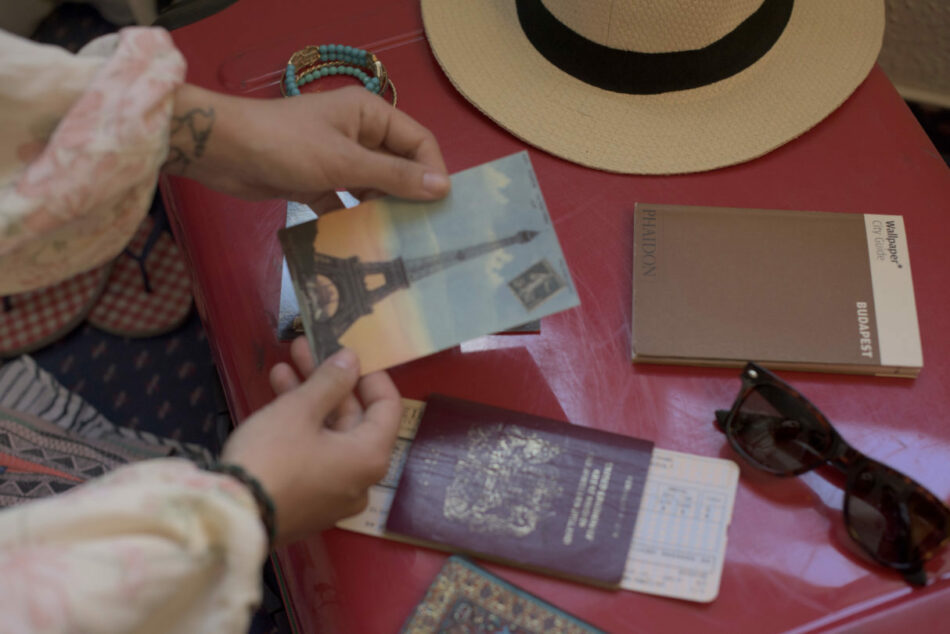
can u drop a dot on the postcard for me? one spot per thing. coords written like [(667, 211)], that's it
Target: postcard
[(396, 280)]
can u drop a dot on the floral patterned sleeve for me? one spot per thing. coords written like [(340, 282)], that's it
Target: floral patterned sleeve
[(157, 546), (82, 139)]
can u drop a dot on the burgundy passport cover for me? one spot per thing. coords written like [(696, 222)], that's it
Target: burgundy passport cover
[(531, 491)]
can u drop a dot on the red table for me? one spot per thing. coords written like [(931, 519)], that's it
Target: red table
[(786, 569)]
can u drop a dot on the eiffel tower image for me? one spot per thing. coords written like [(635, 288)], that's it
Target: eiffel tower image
[(339, 291)]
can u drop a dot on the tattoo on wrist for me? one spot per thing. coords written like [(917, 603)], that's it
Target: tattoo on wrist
[(188, 138)]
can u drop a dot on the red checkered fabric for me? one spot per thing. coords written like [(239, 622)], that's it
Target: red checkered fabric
[(126, 309), (36, 318)]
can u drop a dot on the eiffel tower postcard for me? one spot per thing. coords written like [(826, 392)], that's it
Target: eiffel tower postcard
[(396, 280)]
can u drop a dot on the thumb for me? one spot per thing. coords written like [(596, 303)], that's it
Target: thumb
[(330, 384), (398, 176)]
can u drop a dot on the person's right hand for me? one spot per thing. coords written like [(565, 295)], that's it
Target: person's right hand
[(316, 449)]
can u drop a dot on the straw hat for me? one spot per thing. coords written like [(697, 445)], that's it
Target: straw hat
[(655, 86)]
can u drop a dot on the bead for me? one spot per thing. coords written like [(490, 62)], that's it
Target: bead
[(335, 59)]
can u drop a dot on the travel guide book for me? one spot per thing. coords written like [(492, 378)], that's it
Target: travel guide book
[(799, 290), (526, 490), (396, 280)]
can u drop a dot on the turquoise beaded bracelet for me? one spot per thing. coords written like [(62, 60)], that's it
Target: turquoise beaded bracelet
[(316, 62)]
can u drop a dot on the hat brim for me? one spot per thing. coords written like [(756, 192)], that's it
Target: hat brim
[(824, 53)]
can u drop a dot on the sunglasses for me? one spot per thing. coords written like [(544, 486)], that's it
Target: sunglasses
[(894, 519)]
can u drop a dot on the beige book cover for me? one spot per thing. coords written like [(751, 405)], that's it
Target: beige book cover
[(801, 290)]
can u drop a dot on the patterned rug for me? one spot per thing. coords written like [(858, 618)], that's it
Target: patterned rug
[(164, 385), (27, 389)]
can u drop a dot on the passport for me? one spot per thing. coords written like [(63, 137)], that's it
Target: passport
[(396, 280), (525, 490)]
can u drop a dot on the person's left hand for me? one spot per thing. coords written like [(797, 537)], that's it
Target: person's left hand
[(302, 148)]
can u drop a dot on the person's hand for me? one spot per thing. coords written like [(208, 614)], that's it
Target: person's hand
[(304, 147), (315, 449)]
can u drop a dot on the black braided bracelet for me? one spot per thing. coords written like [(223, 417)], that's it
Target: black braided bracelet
[(265, 505)]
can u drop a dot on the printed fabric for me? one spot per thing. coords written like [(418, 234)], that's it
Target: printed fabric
[(82, 139), (27, 388), (158, 546)]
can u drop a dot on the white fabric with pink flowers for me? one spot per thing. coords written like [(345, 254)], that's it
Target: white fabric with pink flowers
[(82, 138)]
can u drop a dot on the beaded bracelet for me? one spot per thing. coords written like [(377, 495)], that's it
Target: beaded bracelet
[(265, 505), (316, 62)]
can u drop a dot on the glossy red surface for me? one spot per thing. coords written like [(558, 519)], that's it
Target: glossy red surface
[(787, 568)]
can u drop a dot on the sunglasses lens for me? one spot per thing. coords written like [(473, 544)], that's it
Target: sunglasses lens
[(895, 519), (778, 433)]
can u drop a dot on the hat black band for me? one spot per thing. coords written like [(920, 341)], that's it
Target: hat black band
[(652, 73)]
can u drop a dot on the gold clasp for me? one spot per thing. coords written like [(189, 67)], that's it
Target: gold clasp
[(379, 70)]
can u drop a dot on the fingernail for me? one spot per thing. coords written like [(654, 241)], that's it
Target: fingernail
[(345, 359), (435, 183)]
